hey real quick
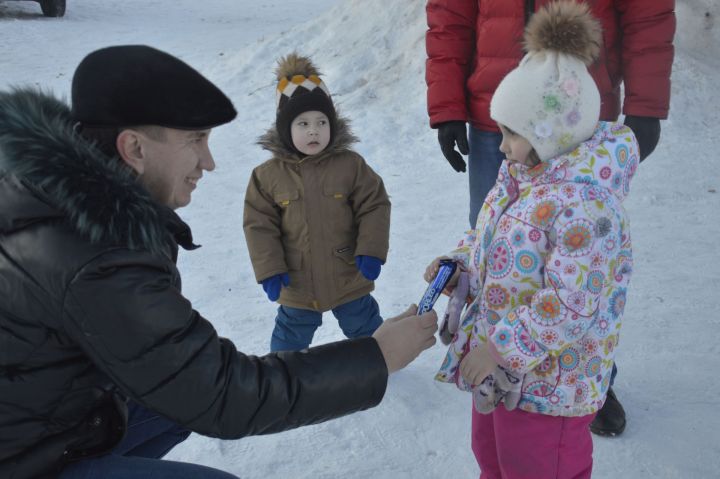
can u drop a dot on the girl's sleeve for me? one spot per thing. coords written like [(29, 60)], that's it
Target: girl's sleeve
[(470, 248), (463, 255), (575, 273)]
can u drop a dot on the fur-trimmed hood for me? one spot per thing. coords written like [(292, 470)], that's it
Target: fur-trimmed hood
[(49, 170), (341, 141)]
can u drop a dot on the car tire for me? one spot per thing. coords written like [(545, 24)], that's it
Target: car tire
[(53, 8)]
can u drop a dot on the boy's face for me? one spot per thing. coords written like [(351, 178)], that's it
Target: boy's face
[(515, 147), (310, 132)]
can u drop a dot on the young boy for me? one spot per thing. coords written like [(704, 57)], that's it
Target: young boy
[(317, 217)]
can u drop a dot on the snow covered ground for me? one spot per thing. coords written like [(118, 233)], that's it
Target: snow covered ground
[(372, 55)]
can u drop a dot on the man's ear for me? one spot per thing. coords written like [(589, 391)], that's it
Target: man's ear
[(129, 145)]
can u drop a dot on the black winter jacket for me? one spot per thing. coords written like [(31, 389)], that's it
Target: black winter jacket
[(91, 314)]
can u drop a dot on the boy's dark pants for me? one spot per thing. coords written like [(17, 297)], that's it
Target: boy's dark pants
[(295, 327)]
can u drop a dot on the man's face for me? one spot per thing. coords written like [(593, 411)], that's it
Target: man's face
[(174, 163), (310, 132)]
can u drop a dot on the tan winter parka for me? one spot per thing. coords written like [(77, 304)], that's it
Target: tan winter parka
[(310, 216)]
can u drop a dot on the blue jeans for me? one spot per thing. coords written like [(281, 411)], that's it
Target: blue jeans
[(483, 164), (149, 437), (295, 327)]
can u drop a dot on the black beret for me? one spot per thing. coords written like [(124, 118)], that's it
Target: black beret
[(133, 85)]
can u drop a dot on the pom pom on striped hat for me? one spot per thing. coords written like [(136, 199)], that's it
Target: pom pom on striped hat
[(300, 89)]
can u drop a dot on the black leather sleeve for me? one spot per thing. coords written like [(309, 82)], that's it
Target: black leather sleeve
[(129, 316)]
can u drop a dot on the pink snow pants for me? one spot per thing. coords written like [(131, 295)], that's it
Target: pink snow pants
[(521, 445)]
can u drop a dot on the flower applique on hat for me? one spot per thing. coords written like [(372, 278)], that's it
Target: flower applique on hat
[(550, 98)]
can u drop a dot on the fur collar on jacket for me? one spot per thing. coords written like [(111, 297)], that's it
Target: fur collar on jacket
[(342, 141), (98, 195)]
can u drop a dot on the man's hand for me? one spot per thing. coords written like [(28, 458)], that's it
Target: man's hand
[(647, 132), (404, 337), (449, 133), (477, 365)]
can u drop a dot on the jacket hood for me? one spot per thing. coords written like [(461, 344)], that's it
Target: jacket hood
[(342, 140), (49, 170), (609, 160)]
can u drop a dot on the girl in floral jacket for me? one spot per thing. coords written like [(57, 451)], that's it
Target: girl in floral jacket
[(548, 263)]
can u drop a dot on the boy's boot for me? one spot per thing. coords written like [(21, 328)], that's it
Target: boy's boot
[(610, 419)]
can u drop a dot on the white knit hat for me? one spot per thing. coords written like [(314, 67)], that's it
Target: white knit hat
[(550, 98)]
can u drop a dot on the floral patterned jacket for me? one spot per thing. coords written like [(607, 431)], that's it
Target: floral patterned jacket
[(549, 263)]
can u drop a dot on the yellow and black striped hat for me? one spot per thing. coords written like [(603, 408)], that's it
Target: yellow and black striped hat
[(300, 89)]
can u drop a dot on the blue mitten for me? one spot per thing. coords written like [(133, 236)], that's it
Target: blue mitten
[(369, 266), (274, 284)]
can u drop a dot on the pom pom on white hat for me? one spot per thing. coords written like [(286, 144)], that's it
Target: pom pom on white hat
[(550, 98)]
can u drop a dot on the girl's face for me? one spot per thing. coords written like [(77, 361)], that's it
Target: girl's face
[(516, 148), (310, 132)]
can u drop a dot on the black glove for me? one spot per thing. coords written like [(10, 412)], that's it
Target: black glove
[(449, 133), (647, 132)]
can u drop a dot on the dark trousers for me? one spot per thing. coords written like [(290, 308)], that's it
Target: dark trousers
[(483, 165), (295, 327), (139, 455)]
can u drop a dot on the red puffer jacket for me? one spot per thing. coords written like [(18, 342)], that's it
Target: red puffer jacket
[(473, 44)]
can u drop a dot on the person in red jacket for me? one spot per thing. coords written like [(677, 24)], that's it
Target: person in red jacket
[(471, 46)]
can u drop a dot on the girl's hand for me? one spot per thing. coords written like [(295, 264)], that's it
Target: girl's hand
[(477, 365), (432, 270)]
